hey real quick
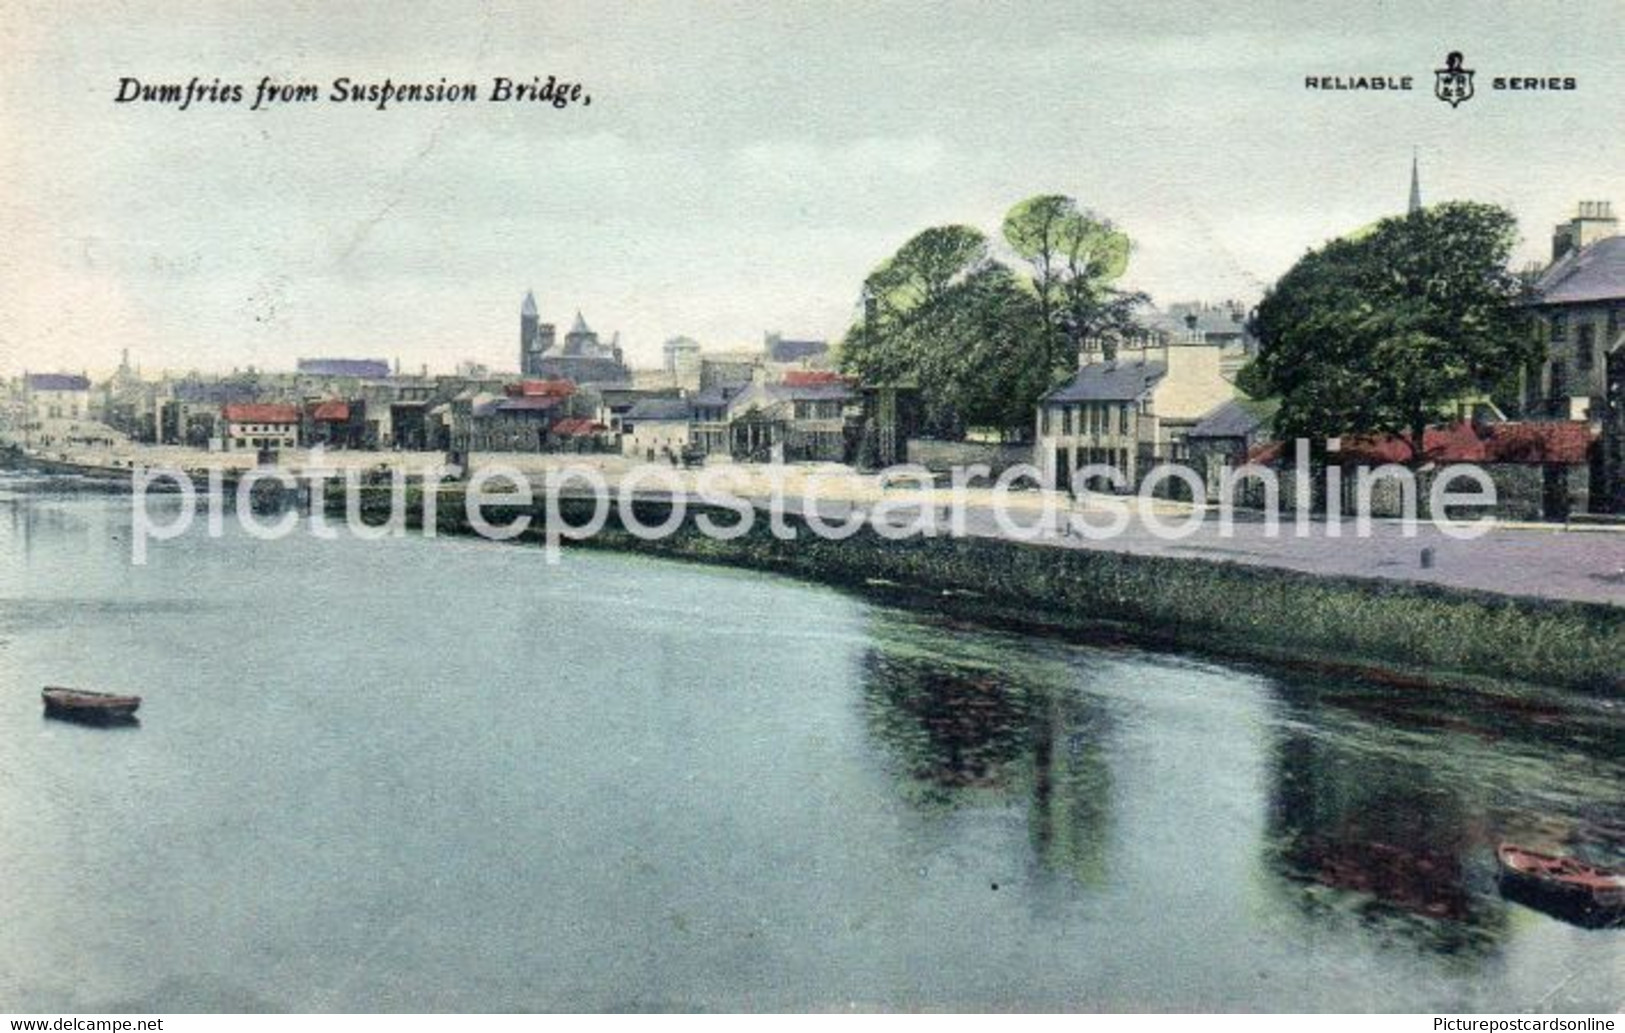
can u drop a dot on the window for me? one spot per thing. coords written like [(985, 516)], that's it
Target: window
[(1560, 326), (1559, 387), (1043, 420), (1122, 419), (1613, 324), (1066, 419), (1584, 343)]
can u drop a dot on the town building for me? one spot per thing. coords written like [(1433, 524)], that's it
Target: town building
[(336, 423), (127, 403), (56, 411), (681, 361), (1579, 312), (259, 426), (581, 357), (1129, 413), (657, 429), (1579, 316), (56, 396), (1227, 435), (810, 416)]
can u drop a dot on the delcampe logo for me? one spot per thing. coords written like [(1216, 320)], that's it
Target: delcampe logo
[(1453, 83)]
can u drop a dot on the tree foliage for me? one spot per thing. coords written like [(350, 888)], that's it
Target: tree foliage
[(982, 341), (1076, 258), (1384, 331)]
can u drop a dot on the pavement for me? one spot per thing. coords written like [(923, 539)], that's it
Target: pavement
[(1555, 561)]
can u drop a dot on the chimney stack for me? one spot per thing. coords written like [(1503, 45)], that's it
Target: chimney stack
[(1593, 221)]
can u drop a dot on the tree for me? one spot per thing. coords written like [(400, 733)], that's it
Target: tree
[(944, 315), (1076, 257), (1383, 332)]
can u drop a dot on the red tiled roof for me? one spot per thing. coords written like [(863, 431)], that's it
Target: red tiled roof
[(813, 377), (334, 410), (561, 388), (260, 412), (1566, 442), (578, 427)]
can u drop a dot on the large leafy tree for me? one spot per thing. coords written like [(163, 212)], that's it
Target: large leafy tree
[(944, 315), (1076, 258), (1386, 330), (982, 341)]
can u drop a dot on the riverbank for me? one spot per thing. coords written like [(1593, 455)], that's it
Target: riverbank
[(1414, 633)]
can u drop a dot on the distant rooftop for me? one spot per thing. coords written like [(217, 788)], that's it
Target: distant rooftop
[(784, 350), (57, 382), (660, 410), (261, 412), (368, 369)]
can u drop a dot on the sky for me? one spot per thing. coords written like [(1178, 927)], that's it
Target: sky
[(740, 168)]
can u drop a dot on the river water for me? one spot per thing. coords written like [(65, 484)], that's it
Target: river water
[(443, 775)]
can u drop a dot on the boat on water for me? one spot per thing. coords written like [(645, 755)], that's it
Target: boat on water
[(1564, 887), (85, 705)]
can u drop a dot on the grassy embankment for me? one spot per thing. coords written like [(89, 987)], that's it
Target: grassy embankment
[(1399, 630)]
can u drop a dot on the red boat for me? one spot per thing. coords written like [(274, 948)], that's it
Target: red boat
[(93, 707), (1565, 887)]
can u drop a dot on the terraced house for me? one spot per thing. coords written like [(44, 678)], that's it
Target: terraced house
[(1579, 314), (1128, 413)]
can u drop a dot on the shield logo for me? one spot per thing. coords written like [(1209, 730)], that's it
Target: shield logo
[(1453, 83)]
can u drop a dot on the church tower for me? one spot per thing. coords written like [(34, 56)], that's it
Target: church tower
[(535, 337), (528, 318), (1416, 188)]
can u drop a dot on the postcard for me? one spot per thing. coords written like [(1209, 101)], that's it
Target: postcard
[(780, 507)]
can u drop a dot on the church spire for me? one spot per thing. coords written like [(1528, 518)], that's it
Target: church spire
[(1416, 186)]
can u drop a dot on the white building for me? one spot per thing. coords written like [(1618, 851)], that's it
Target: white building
[(1128, 413), (252, 426)]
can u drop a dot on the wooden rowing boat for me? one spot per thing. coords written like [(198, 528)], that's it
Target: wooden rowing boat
[(1565, 887), (85, 705)]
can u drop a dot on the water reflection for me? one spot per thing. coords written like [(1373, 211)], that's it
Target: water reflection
[(1382, 805), (1395, 800), (1381, 838), (964, 721)]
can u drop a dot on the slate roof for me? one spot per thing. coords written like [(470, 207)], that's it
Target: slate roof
[(715, 397), (57, 382), (668, 410), (794, 351), (805, 377), (583, 369), (1595, 273), (1237, 418), (1211, 320), (528, 403), (214, 392), (1116, 381), (370, 369)]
